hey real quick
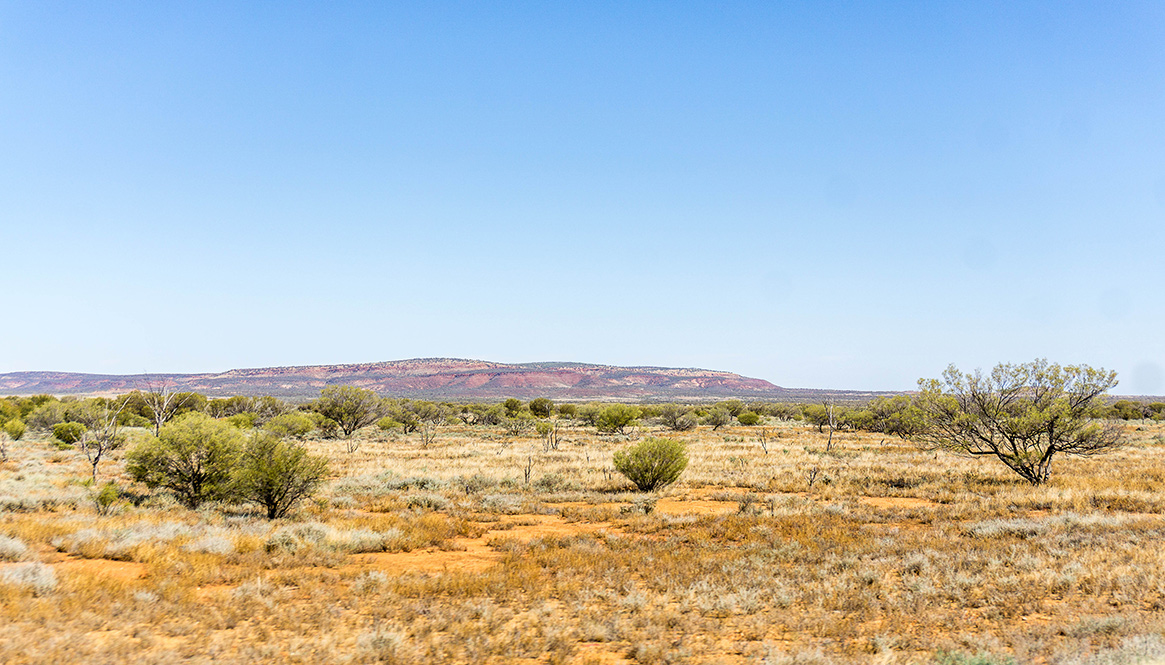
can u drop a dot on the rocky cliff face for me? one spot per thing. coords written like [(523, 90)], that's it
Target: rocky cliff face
[(427, 378)]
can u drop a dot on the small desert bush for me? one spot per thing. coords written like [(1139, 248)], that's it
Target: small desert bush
[(245, 420), (426, 501), (652, 463), (295, 538), (35, 491), (129, 543), (68, 432), (14, 429), (211, 544), (505, 504), (12, 549), (416, 483), (1136, 650), (370, 581), (35, 576)]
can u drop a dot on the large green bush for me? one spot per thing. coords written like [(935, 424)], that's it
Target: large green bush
[(15, 429), (652, 463), (193, 456), (68, 432), (350, 407), (295, 424), (541, 407), (617, 417), (749, 418), (46, 414), (9, 410), (718, 417), (277, 474)]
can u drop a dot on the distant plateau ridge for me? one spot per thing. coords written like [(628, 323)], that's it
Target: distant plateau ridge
[(440, 379)]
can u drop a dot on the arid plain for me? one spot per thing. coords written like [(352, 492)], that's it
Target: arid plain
[(486, 547)]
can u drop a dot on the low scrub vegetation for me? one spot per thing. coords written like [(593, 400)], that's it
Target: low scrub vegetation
[(250, 530), (653, 463)]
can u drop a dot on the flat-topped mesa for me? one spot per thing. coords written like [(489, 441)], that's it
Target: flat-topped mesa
[(435, 379), (414, 366)]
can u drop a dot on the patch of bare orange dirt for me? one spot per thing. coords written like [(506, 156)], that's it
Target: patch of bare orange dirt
[(124, 571), (598, 654), (897, 502), (709, 490), (473, 555), (695, 507), (612, 505), (667, 506), (209, 590)]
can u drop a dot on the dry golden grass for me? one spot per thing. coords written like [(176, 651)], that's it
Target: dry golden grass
[(485, 549)]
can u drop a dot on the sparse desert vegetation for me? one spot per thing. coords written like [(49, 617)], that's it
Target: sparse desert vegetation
[(479, 533)]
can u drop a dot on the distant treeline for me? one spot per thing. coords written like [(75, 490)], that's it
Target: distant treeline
[(340, 410)]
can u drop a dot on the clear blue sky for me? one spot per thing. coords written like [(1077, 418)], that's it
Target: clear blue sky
[(834, 195)]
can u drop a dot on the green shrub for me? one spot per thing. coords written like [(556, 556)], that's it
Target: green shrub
[(106, 498), (748, 418), (349, 407), (14, 429), (718, 417), (46, 414), (68, 432), (277, 474), (541, 407), (244, 420), (676, 417), (134, 420), (327, 427), (652, 463), (552, 482), (616, 418), (295, 423), (9, 410), (192, 456)]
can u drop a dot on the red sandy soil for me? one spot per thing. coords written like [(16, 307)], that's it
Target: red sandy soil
[(896, 502), (474, 554)]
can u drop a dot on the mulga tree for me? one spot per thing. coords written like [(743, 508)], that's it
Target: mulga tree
[(193, 456), (718, 416), (277, 474), (350, 407), (676, 417), (1024, 415), (541, 407), (617, 418)]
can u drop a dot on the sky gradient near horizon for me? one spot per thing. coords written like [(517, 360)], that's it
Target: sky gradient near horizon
[(823, 195)]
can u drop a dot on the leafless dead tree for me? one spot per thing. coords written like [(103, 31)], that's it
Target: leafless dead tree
[(162, 401), (104, 433), (832, 421)]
